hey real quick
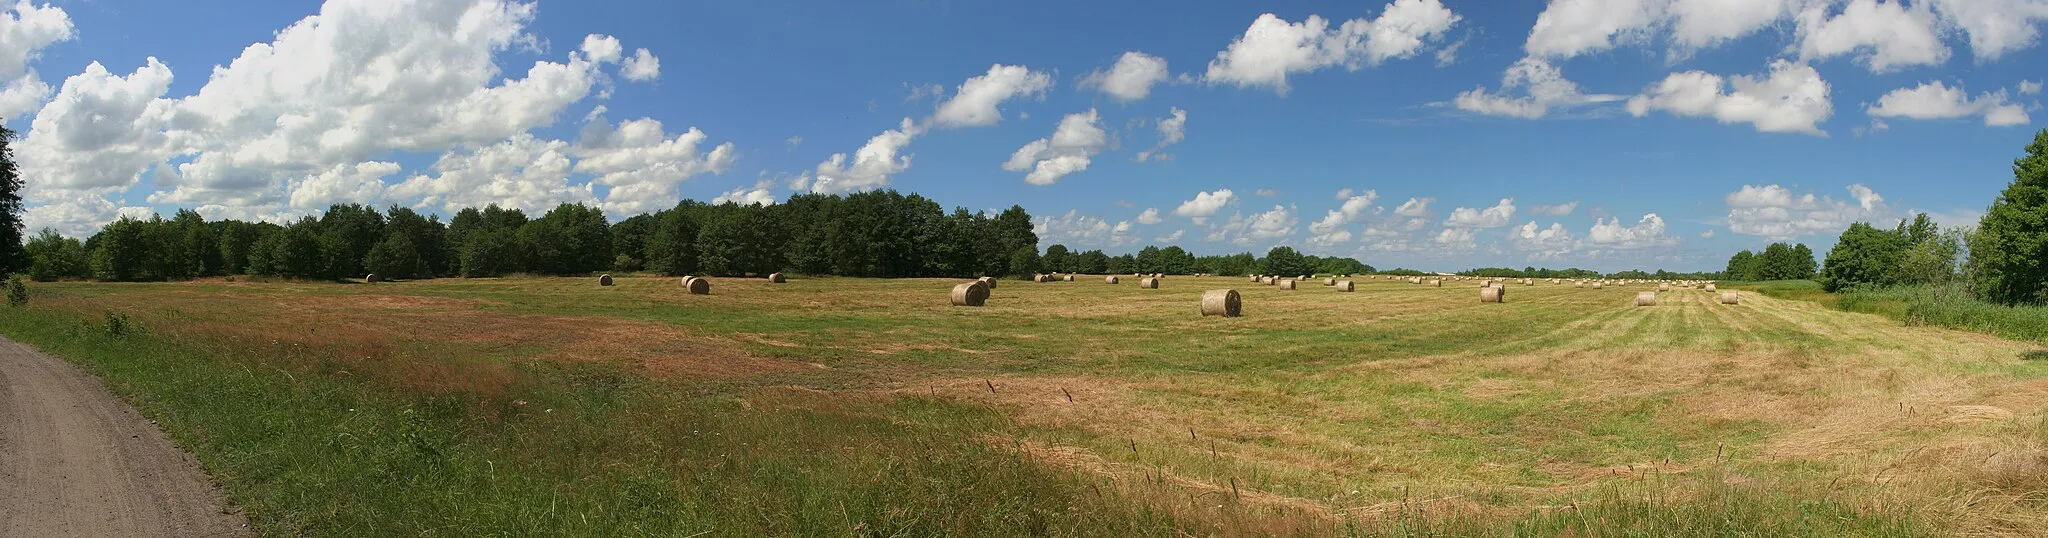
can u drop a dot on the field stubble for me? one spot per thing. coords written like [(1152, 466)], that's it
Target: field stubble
[(1398, 408)]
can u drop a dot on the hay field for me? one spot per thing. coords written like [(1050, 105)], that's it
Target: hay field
[(1398, 408)]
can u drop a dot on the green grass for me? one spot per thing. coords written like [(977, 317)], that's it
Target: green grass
[(1938, 306), (580, 451), (539, 406)]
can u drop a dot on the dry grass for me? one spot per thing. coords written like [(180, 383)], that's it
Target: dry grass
[(1315, 404)]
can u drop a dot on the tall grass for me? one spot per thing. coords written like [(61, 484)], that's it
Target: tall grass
[(580, 451), (1945, 305)]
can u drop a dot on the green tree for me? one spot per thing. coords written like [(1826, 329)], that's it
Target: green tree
[(1802, 263), (741, 240), (12, 257), (629, 242), (672, 246), (1056, 258), (1025, 261), (347, 231), (1742, 266), (394, 257), (1284, 261), (1864, 256), (2010, 249), (424, 234), (571, 239), (299, 252), (121, 251), (489, 252), (53, 257)]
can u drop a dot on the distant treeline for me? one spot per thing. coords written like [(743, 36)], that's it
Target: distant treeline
[(869, 234), (1533, 272), (1173, 260), (1780, 261)]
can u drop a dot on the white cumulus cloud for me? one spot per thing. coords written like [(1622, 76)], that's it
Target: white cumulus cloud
[(1935, 100), (1775, 212), (1491, 217), (1071, 148), (1529, 90), (1791, 98), (1204, 205), (1646, 232), (1149, 217), (977, 102), (1172, 129), (1131, 78), (1272, 48), (871, 165)]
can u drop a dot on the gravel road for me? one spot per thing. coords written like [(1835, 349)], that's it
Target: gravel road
[(76, 461)]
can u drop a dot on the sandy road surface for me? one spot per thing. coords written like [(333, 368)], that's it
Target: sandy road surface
[(76, 461)]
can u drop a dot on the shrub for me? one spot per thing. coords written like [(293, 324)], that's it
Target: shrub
[(17, 292)]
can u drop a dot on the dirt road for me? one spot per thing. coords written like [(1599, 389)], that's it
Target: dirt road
[(76, 461)]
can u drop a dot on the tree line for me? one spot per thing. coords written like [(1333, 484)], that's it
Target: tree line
[(1780, 261), (2003, 260), (1174, 260), (869, 234)]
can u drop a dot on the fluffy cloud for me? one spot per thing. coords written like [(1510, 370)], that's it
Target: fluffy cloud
[(642, 66), (1568, 28), (1774, 212), (976, 103), (523, 172), (1935, 100), (1149, 217), (309, 108), (1260, 228), (1204, 205), (1172, 237), (1415, 208), (1541, 87), (1647, 232), (361, 183), (1884, 36), (2030, 87), (1070, 149), (1995, 26), (1330, 230), (1131, 78), (1557, 210), (1792, 98), (1272, 48), (1543, 243), (1492, 217), (643, 164), (1456, 238), (872, 164), (760, 193), (1075, 229), (1172, 129), (98, 134), (25, 30)]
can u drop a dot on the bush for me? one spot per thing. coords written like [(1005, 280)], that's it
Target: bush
[(17, 292)]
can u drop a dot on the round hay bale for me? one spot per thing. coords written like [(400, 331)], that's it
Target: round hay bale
[(604, 280), (1221, 303), (1110, 279), (1596, 285), (987, 281), (1710, 286), (1493, 295), (776, 278), (1069, 278), (1345, 286), (1330, 281), (1578, 284), (1255, 278), (372, 278), (1438, 282), (1148, 283), (1041, 278), (1267, 280), (697, 285), (1663, 287), (1729, 297), (970, 294), (1287, 284), (1646, 298)]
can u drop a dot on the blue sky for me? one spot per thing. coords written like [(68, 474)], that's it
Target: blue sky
[(1447, 134)]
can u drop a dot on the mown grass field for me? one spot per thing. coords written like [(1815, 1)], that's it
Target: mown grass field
[(870, 407)]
